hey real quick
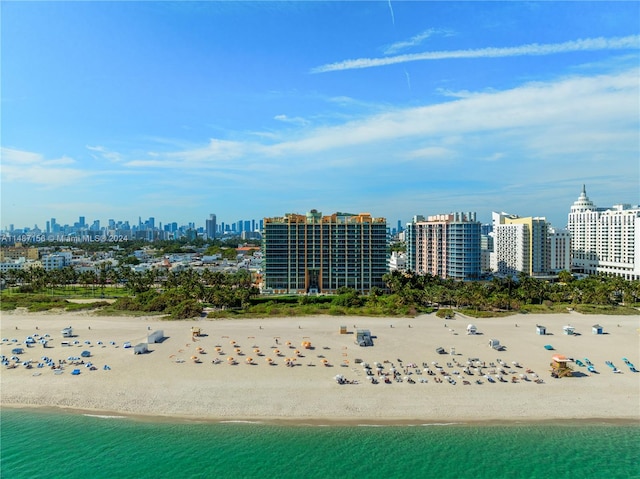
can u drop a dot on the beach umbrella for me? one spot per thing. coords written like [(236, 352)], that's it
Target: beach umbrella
[(232, 342), (194, 357), (268, 360), (100, 343), (249, 360), (276, 352), (288, 343), (87, 342), (230, 358), (112, 343)]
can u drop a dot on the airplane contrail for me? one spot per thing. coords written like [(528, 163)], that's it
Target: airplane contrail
[(393, 18)]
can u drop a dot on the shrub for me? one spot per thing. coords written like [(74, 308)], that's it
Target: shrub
[(189, 308)]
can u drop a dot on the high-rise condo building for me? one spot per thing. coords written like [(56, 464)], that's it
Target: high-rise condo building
[(318, 254), (447, 246), (559, 250), (604, 240), (520, 245)]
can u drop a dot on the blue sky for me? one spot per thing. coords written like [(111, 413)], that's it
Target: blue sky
[(178, 110)]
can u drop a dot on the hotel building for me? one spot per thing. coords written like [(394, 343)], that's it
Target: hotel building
[(318, 254), (520, 245), (447, 246), (604, 240)]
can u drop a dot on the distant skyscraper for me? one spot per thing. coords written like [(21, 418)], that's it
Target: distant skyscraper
[(605, 240), (211, 226)]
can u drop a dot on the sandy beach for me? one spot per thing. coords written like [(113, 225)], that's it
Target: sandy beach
[(167, 382)]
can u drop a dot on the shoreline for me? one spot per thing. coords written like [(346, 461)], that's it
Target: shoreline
[(166, 386), (324, 422)]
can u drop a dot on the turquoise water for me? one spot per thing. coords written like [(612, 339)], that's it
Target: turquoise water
[(37, 444)]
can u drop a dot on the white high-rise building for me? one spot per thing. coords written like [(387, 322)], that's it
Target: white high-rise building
[(605, 240), (560, 250), (520, 245)]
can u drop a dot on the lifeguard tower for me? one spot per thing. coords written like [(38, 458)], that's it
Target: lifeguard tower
[(195, 333), (559, 367)]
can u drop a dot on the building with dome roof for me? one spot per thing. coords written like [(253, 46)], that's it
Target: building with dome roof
[(604, 240)]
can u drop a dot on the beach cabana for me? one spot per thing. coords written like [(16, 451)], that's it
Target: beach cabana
[(141, 348), (569, 330), (155, 337), (541, 330), (471, 329), (67, 332), (85, 354), (495, 344), (363, 338), (597, 329)]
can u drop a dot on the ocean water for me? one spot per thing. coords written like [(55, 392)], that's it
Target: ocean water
[(38, 444)]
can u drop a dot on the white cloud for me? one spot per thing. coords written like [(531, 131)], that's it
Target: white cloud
[(18, 157), (576, 115), (294, 120), (414, 41), (103, 152), (42, 175), (30, 167), (587, 44), (435, 153)]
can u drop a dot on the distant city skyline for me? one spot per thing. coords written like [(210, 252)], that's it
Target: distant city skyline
[(254, 109), (202, 222)]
